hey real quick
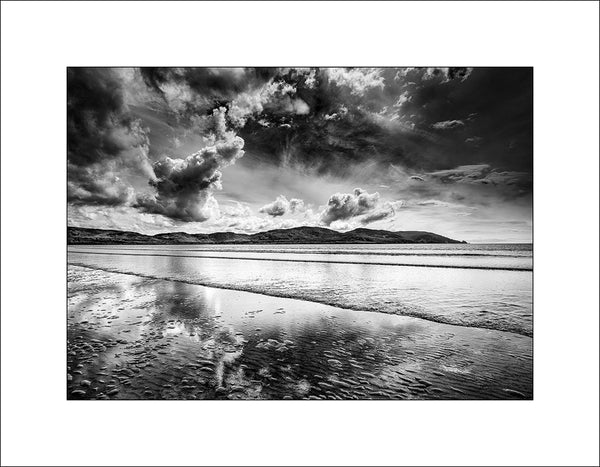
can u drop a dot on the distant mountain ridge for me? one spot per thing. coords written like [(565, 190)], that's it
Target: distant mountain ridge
[(81, 236)]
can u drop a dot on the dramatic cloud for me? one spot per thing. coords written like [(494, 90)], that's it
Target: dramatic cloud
[(273, 97), (189, 90), (448, 124), (104, 142), (184, 186), (447, 74), (347, 205), (98, 183), (359, 80), (281, 206), (163, 142)]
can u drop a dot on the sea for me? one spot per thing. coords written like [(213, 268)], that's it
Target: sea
[(475, 285)]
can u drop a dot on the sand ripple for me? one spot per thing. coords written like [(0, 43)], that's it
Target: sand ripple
[(139, 338)]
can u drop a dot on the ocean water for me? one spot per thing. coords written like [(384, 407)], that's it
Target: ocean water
[(485, 286)]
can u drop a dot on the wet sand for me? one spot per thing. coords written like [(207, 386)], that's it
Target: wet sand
[(130, 337)]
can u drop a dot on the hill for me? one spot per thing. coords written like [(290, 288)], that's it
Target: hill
[(81, 236)]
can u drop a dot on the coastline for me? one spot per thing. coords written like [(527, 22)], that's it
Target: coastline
[(131, 337)]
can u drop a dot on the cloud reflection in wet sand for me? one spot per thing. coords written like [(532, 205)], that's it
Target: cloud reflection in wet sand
[(139, 338)]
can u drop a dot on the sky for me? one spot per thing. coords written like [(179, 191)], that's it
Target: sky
[(444, 150)]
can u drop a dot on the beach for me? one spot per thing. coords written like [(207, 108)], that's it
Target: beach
[(135, 337)]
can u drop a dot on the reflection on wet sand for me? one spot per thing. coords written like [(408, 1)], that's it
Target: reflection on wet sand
[(139, 338)]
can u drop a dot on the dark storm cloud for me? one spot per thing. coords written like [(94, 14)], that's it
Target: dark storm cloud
[(396, 116), (331, 119), (97, 184), (103, 140), (224, 82), (337, 132), (495, 104), (189, 91)]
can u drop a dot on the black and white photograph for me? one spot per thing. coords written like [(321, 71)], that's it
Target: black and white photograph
[(300, 233)]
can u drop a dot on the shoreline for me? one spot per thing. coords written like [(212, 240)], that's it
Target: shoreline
[(143, 337), (372, 263), (300, 299)]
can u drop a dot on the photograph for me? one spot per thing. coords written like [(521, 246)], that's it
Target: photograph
[(299, 233), (317, 233)]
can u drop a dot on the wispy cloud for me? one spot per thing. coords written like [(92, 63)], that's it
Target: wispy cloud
[(448, 124)]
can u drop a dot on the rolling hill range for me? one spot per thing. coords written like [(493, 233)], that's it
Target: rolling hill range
[(83, 236)]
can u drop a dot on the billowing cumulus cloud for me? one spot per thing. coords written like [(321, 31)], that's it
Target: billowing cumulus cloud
[(277, 208), (281, 206), (343, 206), (104, 142), (358, 206), (359, 80), (184, 186), (278, 98)]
